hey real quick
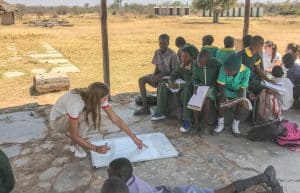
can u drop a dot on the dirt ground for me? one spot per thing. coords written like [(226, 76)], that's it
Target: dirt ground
[(132, 41)]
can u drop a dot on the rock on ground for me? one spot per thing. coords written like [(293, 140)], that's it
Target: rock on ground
[(74, 176)]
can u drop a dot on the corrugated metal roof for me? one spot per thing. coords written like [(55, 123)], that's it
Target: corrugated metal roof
[(8, 7)]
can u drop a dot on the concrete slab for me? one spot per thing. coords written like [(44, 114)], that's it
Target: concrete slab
[(54, 61), (55, 55), (65, 69), (21, 127), (11, 151), (38, 70), (13, 74)]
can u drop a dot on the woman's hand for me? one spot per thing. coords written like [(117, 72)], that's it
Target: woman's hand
[(138, 142), (102, 149)]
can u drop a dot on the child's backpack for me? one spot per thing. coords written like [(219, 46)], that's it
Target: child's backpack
[(269, 107), (291, 137)]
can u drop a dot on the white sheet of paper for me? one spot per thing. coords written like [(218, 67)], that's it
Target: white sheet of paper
[(178, 81), (197, 101), (158, 147)]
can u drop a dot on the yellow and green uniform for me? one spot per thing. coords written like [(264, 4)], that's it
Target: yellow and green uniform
[(186, 90), (234, 83), (7, 180), (224, 53), (252, 61), (211, 49), (207, 76)]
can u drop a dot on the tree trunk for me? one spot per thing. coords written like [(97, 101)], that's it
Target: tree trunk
[(216, 17), (105, 51), (246, 18)]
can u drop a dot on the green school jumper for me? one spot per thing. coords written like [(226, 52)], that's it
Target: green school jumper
[(251, 61), (186, 90), (234, 83), (224, 53), (212, 50), (207, 76), (7, 180)]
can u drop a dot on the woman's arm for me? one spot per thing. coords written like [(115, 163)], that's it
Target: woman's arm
[(123, 126), (75, 137)]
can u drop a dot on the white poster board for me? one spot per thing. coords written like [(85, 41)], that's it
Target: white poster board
[(158, 147)]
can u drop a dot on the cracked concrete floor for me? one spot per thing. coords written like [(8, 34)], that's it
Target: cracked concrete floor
[(44, 165)]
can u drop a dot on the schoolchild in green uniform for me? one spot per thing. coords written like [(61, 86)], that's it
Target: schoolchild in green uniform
[(206, 74), (233, 81), (207, 44), (182, 71), (251, 59), (224, 53)]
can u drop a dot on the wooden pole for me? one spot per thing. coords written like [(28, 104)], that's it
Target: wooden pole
[(246, 18), (105, 51)]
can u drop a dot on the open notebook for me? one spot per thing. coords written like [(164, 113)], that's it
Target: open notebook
[(178, 82), (158, 147), (197, 101)]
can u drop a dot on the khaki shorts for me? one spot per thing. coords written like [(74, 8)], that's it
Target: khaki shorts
[(62, 125)]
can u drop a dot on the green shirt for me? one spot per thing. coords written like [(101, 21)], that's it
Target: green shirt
[(7, 180), (207, 76), (234, 83), (250, 60), (212, 50), (183, 72), (224, 53)]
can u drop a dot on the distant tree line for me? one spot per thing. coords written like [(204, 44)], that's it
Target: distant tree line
[(284, 8)]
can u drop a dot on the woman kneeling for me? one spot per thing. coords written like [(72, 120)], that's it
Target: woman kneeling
[(79, 110)]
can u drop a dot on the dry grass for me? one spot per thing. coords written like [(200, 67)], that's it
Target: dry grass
[(132, 42)]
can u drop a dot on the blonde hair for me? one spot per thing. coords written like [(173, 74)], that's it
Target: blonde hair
[(91, 96)]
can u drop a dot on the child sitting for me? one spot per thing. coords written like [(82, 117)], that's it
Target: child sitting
[(207, 42), (252, 60), (286, 98), (122, 169), (179, 43), (233, 81), (114, 185), (293, 74), (224, 53), (206, 74), (183, 71)]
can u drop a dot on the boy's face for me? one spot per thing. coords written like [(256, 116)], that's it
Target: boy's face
[(185, 58), (202, 61), (230, 72), (257, 49), (163, 45)]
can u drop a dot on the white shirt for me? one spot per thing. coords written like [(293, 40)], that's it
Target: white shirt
[(286, 97), (267, 60), (69, 104)]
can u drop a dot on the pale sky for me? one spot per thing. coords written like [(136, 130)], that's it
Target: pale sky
[(94, 2)]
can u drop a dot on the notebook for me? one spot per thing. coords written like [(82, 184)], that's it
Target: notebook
[(158, 147), (177, 82), (197, 101)]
